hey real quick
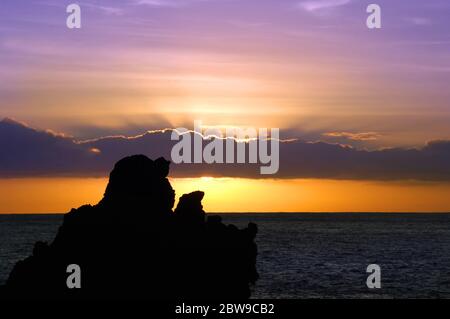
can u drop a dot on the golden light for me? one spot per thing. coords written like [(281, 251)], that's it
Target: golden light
[(58, 195)]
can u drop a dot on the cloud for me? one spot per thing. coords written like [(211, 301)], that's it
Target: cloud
[(166, 3), (318, 5), (362, 136), (105, 9), (26, 152), (418, 21), (29, 152), (159, 3)]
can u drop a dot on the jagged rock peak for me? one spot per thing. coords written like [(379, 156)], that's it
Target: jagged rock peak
[(138, 179), (190, 207)]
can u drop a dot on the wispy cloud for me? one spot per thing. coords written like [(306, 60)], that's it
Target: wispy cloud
[(165, 3), (418, 21), (158, 3), (362, 136), (318, 5), (105, 9)]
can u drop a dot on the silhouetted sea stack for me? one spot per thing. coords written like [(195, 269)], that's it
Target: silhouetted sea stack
[(132, 245)]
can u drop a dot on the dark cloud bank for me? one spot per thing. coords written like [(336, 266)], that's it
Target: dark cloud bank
[(26, 152)]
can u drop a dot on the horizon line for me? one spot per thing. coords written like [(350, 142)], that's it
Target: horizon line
[(274, 213)]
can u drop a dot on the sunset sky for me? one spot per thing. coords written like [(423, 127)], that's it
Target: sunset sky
[(309, 67)]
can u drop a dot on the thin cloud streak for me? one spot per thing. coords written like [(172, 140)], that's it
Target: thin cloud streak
[(318, 5), (361, 136), (166, 3)]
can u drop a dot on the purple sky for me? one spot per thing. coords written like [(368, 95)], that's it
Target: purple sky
[(311, 67)]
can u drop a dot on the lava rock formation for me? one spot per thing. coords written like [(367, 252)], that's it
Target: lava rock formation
[(132, 245)]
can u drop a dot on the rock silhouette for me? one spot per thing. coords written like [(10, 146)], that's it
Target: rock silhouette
[(132, 245)]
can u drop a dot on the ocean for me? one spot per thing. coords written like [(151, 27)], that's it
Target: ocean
[(309, 255)]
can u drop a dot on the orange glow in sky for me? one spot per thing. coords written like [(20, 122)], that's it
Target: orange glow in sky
[(59, 195)]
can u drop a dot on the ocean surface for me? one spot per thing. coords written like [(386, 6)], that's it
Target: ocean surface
[(309, 255)]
